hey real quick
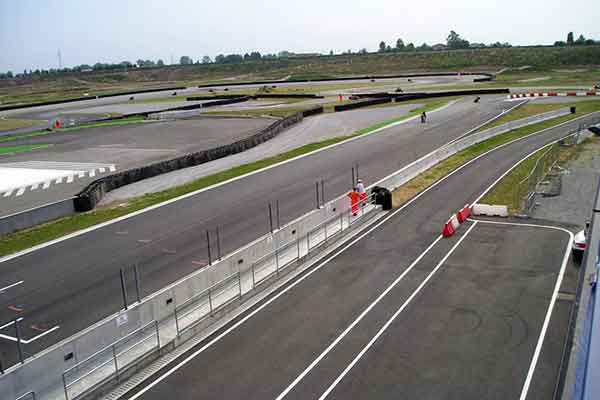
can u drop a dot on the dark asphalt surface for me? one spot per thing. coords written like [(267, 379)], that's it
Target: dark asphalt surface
[(126, 146), (64, 281), (469, 334)]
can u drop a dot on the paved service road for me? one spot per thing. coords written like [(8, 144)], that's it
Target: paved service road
[(470, 311)]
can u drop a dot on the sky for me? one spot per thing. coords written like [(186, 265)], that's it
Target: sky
[(86, 32)]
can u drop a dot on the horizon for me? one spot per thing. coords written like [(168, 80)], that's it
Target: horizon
[(151, 30)]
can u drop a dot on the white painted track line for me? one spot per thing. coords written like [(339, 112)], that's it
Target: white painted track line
[(398, 312), (357, 320), (2, 290), (540, 341)]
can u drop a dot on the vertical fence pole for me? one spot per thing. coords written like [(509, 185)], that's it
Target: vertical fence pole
[(270, 218), (341, 222), (136, 274), (1, 367), (353, 181), (123, 288), (323, 192), (308, 243), (277, 261), (277, 213), (357, 175), (218, 244), (240, 282), (253, 277), (65, 387), (114, 352), (317, 190), (210, 301), (298, 247), (157, 335), (176, 320), (19, 344), (208, 248)]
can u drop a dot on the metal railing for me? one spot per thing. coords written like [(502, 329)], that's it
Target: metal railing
[(111, 361), (114, 359), (206, 303), (525, 191)]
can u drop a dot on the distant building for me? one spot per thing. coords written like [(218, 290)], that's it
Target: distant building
[(439, 47), (86, 70)]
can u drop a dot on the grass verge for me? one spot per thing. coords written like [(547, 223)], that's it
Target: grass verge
[(125, 121), (20, 149), (7, 124), (428, 178)]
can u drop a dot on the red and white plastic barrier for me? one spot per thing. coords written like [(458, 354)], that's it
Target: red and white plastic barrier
[(455, 220), (551, 94)]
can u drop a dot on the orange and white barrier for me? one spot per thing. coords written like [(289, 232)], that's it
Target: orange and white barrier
[(455, 220)]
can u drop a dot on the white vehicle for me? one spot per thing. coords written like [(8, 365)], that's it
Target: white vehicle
[(579, 243)]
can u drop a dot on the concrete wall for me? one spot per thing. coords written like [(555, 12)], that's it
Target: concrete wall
[(36, 216)]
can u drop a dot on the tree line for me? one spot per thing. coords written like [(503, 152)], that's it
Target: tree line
[(581, 41), (453, 42)]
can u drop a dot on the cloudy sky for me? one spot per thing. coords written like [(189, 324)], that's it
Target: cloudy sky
[(32, 31)]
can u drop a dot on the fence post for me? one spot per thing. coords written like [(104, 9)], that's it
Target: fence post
[(210, 301), (208, 248), (341, 222), (19, 344), (357, 176), (353, 181), (136, 275), (240, 282), (277, 261), (270, 218), (218, 244), (323, 192), (114, 351), (298, 246), (307, 242), (157, 335), (277, 211), (176, 320), (317, 190), (1, 367), (65, 386), (123, 288), (253, 278)]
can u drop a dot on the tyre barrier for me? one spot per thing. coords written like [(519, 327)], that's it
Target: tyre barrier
[(426, 95), (89, 197)]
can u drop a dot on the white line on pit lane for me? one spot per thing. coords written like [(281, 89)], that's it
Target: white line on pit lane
[(4, 289)]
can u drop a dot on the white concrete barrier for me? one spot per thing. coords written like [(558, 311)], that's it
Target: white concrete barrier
[(490, 210)]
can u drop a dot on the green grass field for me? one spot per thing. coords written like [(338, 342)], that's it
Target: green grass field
[(20, 149)]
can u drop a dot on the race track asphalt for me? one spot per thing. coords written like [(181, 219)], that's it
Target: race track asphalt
[(126, 146), (63, 282), (469, 332)]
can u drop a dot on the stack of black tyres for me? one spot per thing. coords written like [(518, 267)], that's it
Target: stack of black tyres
[(382, 197)]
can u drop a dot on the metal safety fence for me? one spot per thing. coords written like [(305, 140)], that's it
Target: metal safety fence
[(115, 359), (526, 190)]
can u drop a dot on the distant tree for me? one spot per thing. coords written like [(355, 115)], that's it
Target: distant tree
[(570, 40), (233, 59), (206, 60), (388, 48), (283, 54), (382, 46), (160, 63), (219, 59), (363, 51), (140, 63), (454, 41), (399, 44), (9, 74), (424, 47), (410, 47), (580, 40), (590, 42), (559, 43), (330, 52), (185, 60)]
